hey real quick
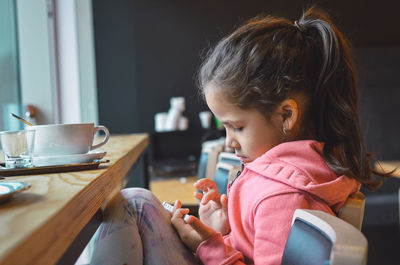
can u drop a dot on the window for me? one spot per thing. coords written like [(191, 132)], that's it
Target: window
[(47, 60), (10, 101)]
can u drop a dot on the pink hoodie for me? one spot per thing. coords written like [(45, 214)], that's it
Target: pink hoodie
[(263, 198)]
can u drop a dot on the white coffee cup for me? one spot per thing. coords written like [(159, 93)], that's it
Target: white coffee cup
[(66, 139)]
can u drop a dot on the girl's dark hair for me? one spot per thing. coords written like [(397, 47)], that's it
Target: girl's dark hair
[(268, 59)]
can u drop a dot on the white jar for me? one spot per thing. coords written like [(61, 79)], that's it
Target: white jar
[(172, 122)]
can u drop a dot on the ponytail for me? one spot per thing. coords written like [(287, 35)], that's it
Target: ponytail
[(334, 103)]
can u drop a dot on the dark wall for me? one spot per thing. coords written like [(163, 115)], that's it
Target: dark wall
[(379, 80), (148, 51)]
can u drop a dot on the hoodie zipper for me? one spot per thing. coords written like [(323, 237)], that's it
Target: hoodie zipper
[(237, 175)]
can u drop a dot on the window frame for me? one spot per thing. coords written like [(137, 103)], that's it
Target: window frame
[(57, 60)]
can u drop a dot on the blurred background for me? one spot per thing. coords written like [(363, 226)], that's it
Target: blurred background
[(149, 51), (117, 63)]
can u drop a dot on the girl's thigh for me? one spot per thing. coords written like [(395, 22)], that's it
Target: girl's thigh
[(138, 230)]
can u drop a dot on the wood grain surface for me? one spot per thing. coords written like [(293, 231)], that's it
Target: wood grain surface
[(173, 189), (38, 225), (388, 166)]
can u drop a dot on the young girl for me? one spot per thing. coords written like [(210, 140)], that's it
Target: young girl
[(287, 95)]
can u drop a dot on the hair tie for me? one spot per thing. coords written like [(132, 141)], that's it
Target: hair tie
[(296, 24)]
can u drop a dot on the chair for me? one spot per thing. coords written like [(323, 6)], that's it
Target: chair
[(226, 170), (225, 173), (353, 210), (319, 238), (212, 148), (202, 168), (208, 157), (230, 158)]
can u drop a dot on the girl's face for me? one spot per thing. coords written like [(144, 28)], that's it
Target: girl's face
[(248, 132)]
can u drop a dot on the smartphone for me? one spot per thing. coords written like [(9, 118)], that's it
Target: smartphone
[(170, 208)]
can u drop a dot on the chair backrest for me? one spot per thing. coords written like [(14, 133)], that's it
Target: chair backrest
[(230, 158), (202, 167), (215, 148), (208, 157), (353, 210), (320, 238), (224, 173)]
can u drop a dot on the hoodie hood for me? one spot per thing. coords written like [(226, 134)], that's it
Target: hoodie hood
[(300, 165)]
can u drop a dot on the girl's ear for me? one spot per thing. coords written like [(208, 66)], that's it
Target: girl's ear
[(290, 114)]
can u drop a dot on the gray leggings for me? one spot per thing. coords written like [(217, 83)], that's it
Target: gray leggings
[(138, 230)]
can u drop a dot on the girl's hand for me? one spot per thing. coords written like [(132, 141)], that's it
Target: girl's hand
[(213, 209), (193, 231)]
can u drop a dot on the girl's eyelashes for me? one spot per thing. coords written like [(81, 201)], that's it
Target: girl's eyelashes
[(233, 127)]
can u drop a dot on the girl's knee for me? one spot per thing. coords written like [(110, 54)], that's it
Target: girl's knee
[(130, 199), (134, 195)]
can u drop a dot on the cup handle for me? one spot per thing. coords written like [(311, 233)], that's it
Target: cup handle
[(105, 139)]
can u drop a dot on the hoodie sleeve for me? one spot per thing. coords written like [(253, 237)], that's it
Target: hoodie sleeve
[(272, 218), (215, 251)]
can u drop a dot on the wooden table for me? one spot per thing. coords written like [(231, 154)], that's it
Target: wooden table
[(172, 189), (38, 225), (387, 166)]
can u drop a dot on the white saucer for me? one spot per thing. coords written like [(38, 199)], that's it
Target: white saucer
[(9, 188), (42, 161)]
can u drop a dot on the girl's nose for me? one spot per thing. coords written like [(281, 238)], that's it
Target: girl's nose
[(231, 143)]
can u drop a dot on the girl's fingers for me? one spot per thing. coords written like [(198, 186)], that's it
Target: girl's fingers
[(224, 202), (187, 232), (205, 184), (203, 230), (198, 195), (177, 217), (180, 213), (210, 190), (177, 205), (211, 195)]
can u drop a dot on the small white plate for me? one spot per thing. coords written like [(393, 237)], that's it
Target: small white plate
[(42, 161), (9, 188)]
